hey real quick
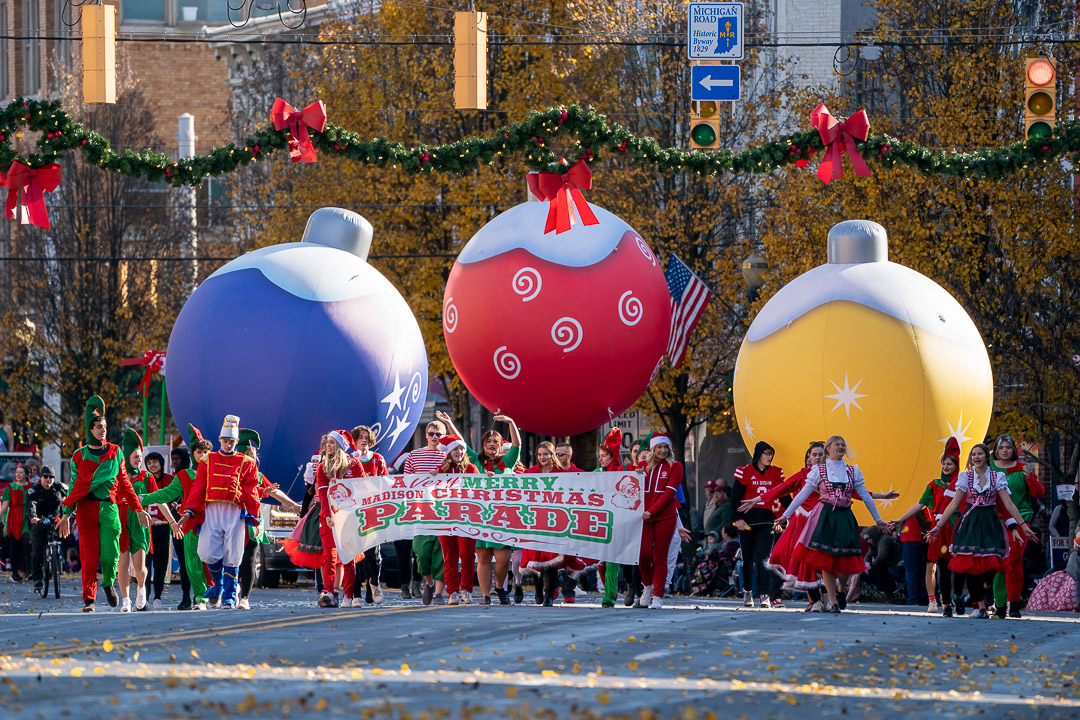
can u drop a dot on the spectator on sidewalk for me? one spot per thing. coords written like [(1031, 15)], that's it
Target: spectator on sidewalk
[(45, 499)]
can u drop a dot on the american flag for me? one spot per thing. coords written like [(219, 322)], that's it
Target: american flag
[(689, 298)]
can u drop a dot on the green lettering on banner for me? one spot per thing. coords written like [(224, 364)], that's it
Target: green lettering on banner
[(474, 483)]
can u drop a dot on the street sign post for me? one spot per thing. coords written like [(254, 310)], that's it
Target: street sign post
[(715, 31), (715, 82)]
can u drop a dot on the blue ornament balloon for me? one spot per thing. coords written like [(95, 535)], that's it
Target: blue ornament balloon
[(299, 339)]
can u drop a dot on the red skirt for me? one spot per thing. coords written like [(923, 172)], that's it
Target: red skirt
[(826, 563), (939, 548), (796, 574), (976, 564)]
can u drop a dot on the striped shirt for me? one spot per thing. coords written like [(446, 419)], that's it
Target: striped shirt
[(422, 460)]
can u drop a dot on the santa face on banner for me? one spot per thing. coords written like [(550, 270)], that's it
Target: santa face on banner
[(870, 350), (559, 331)]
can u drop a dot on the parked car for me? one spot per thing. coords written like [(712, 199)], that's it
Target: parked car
[(271, 565)]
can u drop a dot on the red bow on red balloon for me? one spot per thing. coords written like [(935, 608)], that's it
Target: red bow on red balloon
[(832, 131), (31, 184), (152, 362), (313, 116), (560, 189)]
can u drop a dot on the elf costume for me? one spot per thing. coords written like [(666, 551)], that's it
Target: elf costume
[(225, 488), (197, 572), (459, 553), (16, 526), (613, 442), (99, 482), (937, 496), (1024, 490), (133, 536), (504, 465)]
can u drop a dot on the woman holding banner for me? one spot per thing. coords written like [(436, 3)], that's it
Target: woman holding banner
[(459, 553), (368, 567), (337, 464), (663, 476)]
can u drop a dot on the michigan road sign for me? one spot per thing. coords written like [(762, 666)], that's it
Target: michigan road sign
[(714, 82), (715, 31)]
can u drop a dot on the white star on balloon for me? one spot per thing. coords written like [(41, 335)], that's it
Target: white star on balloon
[(958, 432), (846, 397), (394, 398), (887, 503), (748, 428), (400, 425)]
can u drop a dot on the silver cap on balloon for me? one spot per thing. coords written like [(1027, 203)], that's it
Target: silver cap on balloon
[(858, 241), (341, 229)]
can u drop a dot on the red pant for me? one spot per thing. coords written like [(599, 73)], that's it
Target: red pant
[(331, 562), (99, 542), (1014, 569), (655, 541), (458, 549)]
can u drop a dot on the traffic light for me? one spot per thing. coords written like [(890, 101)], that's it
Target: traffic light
[(99, 53), (704, 125), (470, 60), (1040, 97)]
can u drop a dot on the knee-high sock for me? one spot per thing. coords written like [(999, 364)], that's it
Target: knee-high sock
[(216, 570), (228, 583)]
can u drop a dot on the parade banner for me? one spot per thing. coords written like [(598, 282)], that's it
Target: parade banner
[(591, 515)]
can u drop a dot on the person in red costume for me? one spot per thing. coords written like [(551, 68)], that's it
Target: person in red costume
[(339, 463), (225, 491), (459, 553), (797, 575), (100, 482), (937, 496), (980, 542), (13, 511), (1024, 490), (755, 525), (368, 568), (663, 475), (608, 456)]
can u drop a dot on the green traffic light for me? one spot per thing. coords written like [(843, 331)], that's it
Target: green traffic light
[(703, 134), (1039, 130)]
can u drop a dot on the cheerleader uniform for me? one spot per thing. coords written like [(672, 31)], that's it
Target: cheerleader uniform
[(797, 575), (830, 541), (980, 545)]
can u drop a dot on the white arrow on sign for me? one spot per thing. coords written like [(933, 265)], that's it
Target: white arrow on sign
[(709, 83)]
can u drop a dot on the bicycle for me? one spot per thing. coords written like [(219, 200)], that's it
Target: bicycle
[(51, 561)]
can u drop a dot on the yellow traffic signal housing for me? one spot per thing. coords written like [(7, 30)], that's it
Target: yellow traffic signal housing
[(704, 125), (99, 53), (1040, 97), (470, 60)]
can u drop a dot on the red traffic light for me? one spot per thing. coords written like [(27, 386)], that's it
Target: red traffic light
[(1040, 73)]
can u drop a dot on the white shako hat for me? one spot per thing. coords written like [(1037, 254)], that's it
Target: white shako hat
[(230, 428)]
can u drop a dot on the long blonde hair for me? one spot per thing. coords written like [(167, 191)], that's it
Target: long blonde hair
[(653, 461), (335, 461), (832, 441)]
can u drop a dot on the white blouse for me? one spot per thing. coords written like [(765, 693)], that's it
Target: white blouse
[(836, 472), (981, 483)]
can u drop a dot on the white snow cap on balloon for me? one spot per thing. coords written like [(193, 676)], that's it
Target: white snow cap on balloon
[(859, 271)]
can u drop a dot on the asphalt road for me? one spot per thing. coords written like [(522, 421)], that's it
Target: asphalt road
[(692, 660)]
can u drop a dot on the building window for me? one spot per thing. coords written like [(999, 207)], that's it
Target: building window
[(31, 48), (5, 86), (144, 10)]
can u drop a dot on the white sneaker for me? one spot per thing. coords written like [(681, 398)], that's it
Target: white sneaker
[(747, 599), (140, 598), (215, 602), (454, 600), (765, 602), (376, 593), (199, 606), (933, 607), (656, 603), (646, 597), (157, 605), (326, 600), (125, 605), (357, 602), (465, 598), (244, 604)]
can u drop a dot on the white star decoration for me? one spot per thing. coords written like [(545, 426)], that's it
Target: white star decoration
[(748, 428), (846, 397), (960, 431), (394, 398), (886, 503), (400, 425)]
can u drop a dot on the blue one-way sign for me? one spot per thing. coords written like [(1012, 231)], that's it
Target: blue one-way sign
[(714, 82), (715, 31)]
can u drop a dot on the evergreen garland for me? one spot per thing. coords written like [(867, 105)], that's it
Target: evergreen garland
[(593, 134)]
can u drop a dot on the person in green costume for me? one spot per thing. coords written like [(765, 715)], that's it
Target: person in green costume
[(1024, 490), (195, 570), (608, 456), (493, 461)]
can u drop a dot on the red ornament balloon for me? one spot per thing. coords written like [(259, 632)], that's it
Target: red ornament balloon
[(558, 331)]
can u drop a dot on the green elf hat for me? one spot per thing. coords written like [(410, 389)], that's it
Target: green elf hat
[(130, 443), (644, 444), (248, 439), (194, 435), (95, 408)]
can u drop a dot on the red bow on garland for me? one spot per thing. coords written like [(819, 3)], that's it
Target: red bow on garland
[(559, 189), (31, 184), (285, 115), (832, 131), (152, 362)]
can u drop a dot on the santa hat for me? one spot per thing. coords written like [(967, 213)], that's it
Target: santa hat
[(248, 439), (194, 435), (344, 439), (230, 428), (613, 442), (659, 440), (95, 408), (952, 449), (131, 442), (449, 443), (506, 447)]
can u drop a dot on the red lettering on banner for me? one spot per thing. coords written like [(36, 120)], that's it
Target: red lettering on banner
[(553, 498), (575, 498), (513, 495), (551, 520), (532, 495), (507, 516), (596, 500), (376, 517), (399, 482), (594, 524), (420, 512), (464, 512)]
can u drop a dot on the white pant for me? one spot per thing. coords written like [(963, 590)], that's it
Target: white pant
[(673, 550), (222, 535)]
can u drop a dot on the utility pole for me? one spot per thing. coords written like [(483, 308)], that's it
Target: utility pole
[(189, 249)]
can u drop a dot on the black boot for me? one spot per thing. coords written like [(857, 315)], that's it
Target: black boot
[(538, 597), (551, 585), (1014, 609), (111, 596), (519, 594)]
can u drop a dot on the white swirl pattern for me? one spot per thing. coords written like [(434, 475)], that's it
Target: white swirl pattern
[(414, 387), (527, 283), (566, 333), (507, 363), (449, 314), (646, 250), (630, 309)]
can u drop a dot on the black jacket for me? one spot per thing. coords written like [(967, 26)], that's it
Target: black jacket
[(46, 503)]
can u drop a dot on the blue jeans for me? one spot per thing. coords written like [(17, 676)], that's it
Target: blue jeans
[(915, 572)]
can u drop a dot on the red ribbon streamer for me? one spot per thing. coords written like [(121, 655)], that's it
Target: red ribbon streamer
[(152, 363), (31, 184), (560, 189), (285, 115), (831, 130)]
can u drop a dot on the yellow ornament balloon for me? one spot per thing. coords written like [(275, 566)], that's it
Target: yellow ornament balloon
[(871, 350)]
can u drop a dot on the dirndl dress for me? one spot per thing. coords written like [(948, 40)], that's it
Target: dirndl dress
[(830, 542), (304, 545), (980, 542), (797, 574)]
